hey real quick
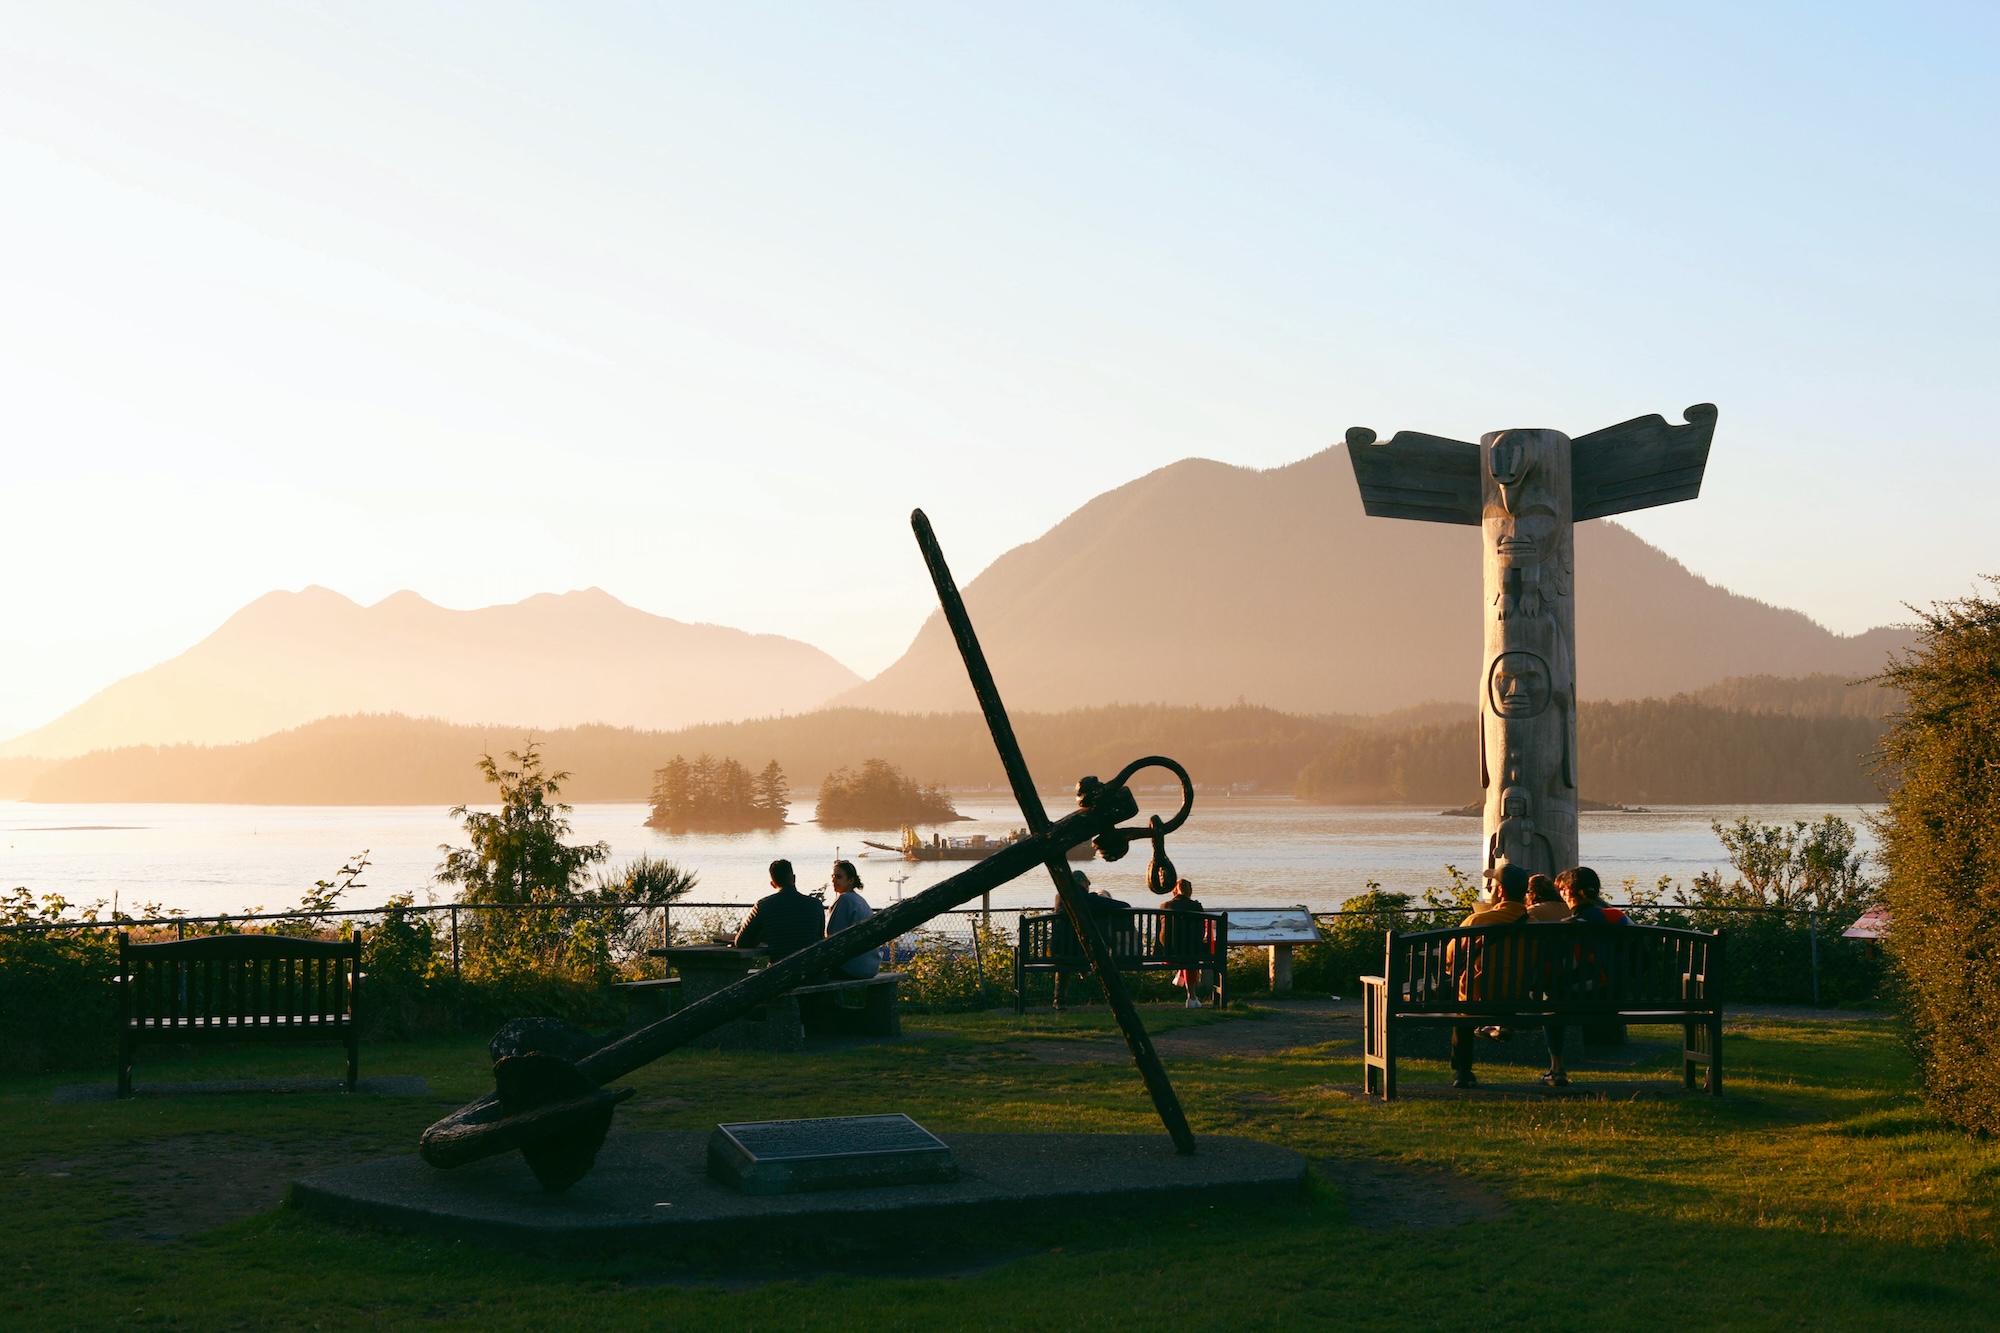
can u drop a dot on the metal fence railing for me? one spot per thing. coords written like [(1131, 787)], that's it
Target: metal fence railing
[(964, 957)]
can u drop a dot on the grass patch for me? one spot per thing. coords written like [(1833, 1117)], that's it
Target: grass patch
[(1817, 1194)]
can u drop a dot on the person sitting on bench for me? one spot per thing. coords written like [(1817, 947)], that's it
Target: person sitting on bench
[(850, 908), (1544, 903), (1583, 893), (783, 922), (1106, 911), (1589, 904), (1195, 977), (1512, 882)]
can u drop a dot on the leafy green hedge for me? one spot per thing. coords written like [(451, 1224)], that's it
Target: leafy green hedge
[(1941, 844)]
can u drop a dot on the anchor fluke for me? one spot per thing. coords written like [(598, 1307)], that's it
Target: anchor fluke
[(572, 1113)]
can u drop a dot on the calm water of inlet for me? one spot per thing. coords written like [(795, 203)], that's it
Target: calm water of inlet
[(206, 859)]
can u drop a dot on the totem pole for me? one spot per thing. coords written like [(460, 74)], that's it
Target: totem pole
[(1527, 489)]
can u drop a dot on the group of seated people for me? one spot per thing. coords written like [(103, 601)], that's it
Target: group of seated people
[(787, 921), (1575, 895), (1110, 914)]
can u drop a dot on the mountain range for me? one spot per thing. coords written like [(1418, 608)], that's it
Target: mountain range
[(553, 660), (1198, 584)]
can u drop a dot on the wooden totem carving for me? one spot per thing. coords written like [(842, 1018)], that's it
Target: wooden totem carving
[(1527, 489)]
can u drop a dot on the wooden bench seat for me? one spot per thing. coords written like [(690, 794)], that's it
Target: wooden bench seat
[(1142, 939), (1531, 975), (237, 988)]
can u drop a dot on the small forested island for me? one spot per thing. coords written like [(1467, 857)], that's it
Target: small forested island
[(880, 796), (708, 795)]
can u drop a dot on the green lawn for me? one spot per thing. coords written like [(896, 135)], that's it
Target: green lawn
[(1816, 1195)]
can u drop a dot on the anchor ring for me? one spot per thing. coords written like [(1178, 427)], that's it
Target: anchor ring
[(1187, 793)]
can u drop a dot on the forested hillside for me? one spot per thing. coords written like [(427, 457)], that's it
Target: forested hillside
[(1787, 740), (1649, 752), (390, 760)]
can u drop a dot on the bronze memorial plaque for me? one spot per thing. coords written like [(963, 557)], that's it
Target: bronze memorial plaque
[(838, 1152)]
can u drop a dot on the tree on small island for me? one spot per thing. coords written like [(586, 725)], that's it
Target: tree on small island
[(711, 795), (880, 796)]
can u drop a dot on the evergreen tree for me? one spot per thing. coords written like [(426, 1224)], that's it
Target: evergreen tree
[(773, 793), (519, 854)]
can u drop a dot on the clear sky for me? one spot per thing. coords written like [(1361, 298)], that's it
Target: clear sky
[(695, 302)]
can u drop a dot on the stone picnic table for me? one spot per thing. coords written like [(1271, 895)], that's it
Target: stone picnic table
[(863, 1006)]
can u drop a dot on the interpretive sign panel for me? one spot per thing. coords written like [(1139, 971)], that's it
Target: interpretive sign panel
[(1271, 925), (838, 1152)]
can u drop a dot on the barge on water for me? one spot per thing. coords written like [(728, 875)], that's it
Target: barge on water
[(974, 847)]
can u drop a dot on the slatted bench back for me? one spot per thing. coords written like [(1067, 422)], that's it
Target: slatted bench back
[(239, 986), (1140, 938), (1553, 968)]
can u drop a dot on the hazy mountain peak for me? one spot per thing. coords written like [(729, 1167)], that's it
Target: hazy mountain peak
[(405, 600), (311, 599)]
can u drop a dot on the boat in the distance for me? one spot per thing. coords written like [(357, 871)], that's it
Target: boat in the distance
[(974, 847)]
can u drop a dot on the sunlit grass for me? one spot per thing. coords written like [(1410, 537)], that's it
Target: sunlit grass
[(1816, 1194)]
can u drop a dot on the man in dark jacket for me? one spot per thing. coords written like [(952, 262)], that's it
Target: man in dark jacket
[(786, 921)]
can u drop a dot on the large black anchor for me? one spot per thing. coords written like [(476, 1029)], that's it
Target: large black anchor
[(557, 1112)]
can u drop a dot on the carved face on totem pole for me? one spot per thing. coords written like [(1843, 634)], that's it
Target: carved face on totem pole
[(1519, 686)]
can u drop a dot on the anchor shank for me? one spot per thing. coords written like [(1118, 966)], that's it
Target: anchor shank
[(1073, 899)]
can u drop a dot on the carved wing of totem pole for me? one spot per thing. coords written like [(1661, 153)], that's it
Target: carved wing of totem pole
[(1527, 489), (557, 1113)]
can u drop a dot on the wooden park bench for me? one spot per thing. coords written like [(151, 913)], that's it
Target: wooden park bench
[(1528, 975), (1142, 939), (237, 988)]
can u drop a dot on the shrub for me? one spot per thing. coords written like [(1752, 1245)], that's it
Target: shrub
[(1781, 874), (58, 1003), (943, 971), (401, 995), (1941, 846)]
